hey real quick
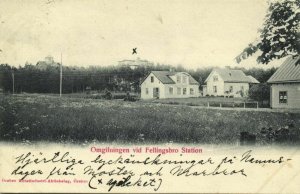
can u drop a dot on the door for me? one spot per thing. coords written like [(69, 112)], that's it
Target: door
[(155, 92)]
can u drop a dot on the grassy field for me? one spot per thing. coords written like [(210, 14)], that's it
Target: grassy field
[(50, 118)]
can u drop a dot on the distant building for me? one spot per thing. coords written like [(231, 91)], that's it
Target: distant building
[(285, 85), (169, 84), (48, 62), (133, 64), (228, 82)]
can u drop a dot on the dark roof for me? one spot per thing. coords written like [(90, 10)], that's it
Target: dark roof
[(164, 77), (289, 71), (192, 81), (232, 75), (252, 79)]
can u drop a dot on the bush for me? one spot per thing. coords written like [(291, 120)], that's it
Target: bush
[(172, 102), (191, 104), (97, 97), (107, 95), (129, 98), (260, 92), (119, 96)]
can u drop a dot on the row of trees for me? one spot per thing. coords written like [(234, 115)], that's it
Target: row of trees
[(31, 79)]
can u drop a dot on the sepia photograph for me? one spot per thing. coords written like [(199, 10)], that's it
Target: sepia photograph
[(149, 96)]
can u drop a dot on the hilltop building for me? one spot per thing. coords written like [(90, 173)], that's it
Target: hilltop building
[(133, 64), (47, 63)]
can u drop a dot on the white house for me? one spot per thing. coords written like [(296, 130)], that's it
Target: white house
[(228, 82), (167, 84), (285, 85)]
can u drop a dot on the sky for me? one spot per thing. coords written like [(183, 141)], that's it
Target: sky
[(191, 33)]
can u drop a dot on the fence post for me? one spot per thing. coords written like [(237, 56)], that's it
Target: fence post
[(207, 104), (257, 105), (244, 104), (220, 105)]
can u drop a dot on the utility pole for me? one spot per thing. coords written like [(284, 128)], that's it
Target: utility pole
[(60, 83), (13, 82)]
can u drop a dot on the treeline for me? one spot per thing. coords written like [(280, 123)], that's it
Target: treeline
[(31, 79)]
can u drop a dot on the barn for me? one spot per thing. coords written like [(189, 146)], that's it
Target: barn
[(285, 85)]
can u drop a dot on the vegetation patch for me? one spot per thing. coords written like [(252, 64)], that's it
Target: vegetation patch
[(50, 118)]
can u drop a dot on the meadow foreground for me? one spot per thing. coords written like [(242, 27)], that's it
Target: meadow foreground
[(34, 118)]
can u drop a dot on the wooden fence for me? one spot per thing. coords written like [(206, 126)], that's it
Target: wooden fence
[(233, 104)]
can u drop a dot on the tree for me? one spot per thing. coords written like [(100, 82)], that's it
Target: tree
[(5, 77), (260, 92), (280, 35)]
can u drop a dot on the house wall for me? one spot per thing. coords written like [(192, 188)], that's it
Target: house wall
[(211, 83), (236, 88), (293, 95), (156, 84), (181, 95), (182, 84), (204, 87)]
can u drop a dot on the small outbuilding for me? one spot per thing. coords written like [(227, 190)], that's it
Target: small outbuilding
[(285, 84)]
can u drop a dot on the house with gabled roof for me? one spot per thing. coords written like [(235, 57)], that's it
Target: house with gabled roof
[(228, 82), (169, 84), (285, 85)]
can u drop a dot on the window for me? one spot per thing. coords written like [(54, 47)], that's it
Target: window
[(184, 91), (283, 97), (147, 91), (170, 90), (192, 91), (178, 91), (152, 79), (184, 79), (230, 89), (215, 78), (215, 89), (178, 79)]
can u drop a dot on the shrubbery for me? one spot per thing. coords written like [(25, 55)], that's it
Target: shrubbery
[(260, 92)]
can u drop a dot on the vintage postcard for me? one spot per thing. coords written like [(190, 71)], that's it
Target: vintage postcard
[(136, 96)]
